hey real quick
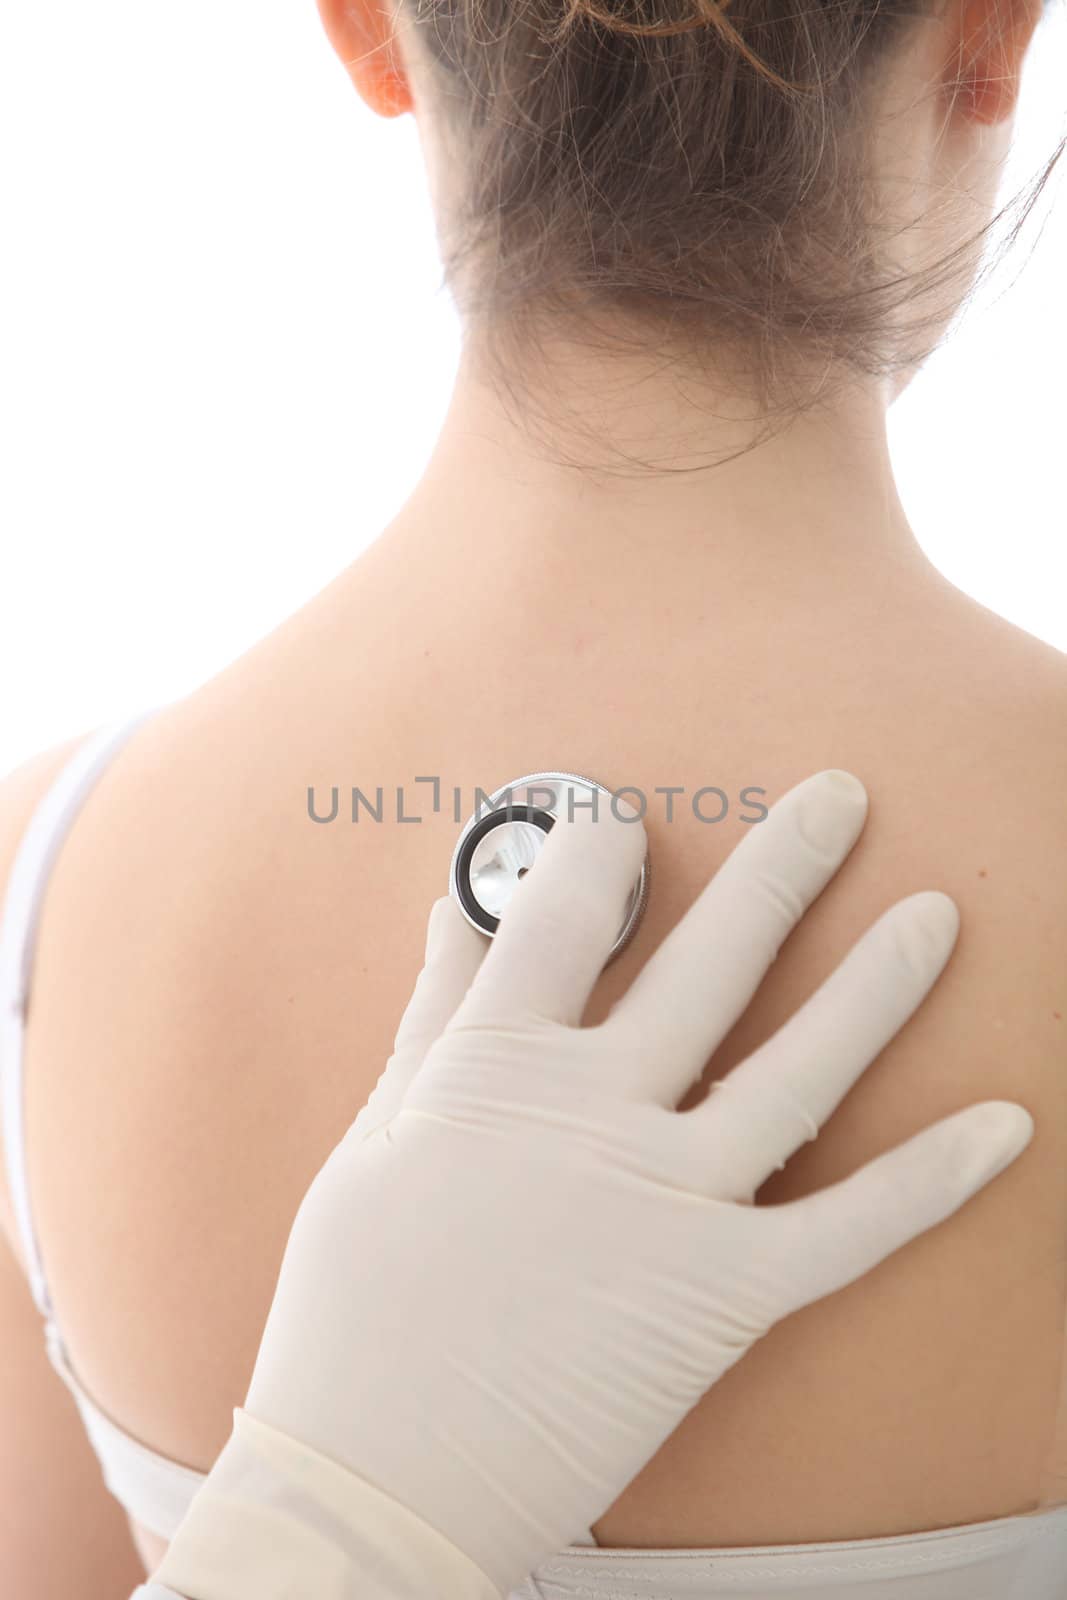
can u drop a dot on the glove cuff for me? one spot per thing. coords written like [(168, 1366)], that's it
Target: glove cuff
[(277, 1520)]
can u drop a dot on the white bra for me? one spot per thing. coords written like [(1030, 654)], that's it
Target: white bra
[(1009, 1558)]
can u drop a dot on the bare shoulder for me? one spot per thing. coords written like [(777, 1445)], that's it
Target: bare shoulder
[(1011, 690), (987, 707), (204, 1031), (1010, 666)]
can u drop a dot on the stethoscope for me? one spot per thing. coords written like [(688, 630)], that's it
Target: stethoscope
[(501, 841)]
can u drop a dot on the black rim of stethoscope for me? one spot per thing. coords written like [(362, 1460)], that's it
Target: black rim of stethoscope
[(461, 872)]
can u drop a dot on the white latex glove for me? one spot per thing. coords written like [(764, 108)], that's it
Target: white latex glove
[(522, 1267)]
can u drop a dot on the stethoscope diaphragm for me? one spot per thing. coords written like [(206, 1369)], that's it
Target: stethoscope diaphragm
[(501, 841)]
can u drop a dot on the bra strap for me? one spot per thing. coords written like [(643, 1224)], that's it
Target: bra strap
[(33, 862)]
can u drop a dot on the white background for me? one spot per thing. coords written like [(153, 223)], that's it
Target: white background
[(223, 357)]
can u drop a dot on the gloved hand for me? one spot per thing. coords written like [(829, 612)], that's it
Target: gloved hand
[(522, 1267)]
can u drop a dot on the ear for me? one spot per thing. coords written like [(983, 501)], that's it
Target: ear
[(993, 38), (363, 34)]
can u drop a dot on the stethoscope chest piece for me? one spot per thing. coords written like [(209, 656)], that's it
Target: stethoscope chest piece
[(502, 840)]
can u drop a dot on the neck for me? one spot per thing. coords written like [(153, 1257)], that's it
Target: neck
[(812, 507)]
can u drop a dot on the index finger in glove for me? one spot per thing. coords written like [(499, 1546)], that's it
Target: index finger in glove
[(564, 915)]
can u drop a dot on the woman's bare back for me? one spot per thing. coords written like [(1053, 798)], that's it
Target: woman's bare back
[(219, 977)]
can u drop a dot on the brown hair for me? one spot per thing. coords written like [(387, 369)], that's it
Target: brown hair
[(700, 169)]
